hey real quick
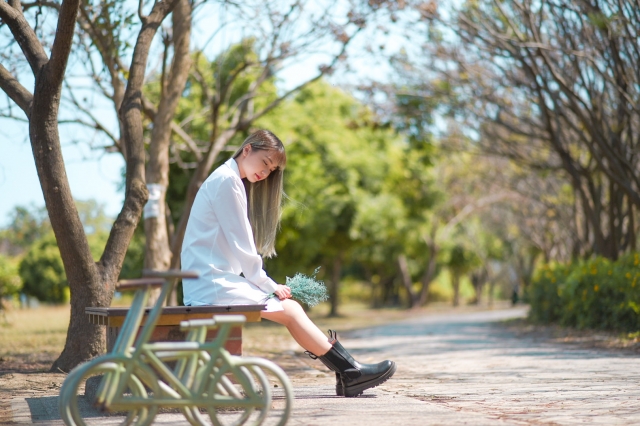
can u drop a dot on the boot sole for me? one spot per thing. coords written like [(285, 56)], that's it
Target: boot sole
[(358, 389)]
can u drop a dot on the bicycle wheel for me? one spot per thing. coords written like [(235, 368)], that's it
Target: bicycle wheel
[(73, 406), (231, 390), (248, 397), (280, 389)]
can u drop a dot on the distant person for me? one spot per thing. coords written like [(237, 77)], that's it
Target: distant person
[(234, 217)]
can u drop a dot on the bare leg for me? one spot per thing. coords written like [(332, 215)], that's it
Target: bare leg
[(302, 329)]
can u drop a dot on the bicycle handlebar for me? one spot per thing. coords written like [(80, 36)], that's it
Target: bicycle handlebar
[(137, 283), (170, 273)]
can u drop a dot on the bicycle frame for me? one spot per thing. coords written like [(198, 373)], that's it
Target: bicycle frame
[(199, 378)]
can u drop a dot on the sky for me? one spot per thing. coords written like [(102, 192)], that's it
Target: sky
[(92, 173), (91, 176)]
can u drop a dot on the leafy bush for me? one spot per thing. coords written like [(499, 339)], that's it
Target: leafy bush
[(42, 272), (10, 282), (544, 294), (596, 293)]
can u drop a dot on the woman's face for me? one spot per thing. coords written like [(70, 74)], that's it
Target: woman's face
[(257, 164)]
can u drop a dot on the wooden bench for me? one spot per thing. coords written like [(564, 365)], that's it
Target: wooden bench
[(168, 327)]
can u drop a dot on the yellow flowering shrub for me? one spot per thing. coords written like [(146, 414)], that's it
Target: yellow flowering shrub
[(544, 294), (595, 293)]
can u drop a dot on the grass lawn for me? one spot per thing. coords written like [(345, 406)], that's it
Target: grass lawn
[(31, 339)]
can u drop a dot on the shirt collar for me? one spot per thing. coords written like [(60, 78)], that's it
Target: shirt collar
[(231, 162)]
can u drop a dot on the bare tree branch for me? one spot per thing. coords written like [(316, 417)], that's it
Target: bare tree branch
[(24, 35), (16, 91), (49, 4), (95, 122), (131, 117), (62, 43), (141, 15)]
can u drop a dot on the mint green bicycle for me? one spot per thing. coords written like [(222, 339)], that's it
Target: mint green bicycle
[(204, 377)]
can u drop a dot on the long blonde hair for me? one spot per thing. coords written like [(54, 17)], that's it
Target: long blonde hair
[(265, 197)]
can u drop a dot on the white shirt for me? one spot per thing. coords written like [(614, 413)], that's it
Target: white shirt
[(218, 243)]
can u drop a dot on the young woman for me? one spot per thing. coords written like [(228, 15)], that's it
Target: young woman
[(234, 217)]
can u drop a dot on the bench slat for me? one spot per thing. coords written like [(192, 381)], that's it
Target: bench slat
[(173, 315), (117, 311)]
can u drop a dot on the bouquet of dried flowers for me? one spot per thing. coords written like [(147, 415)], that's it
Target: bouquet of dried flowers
[(306, 289)]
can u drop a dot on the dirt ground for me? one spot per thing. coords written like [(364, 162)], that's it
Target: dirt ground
[(31, 341)]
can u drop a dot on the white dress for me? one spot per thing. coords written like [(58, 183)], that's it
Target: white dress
[(218, 243)]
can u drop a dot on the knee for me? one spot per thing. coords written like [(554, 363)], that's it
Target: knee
[(292, 306), (292, 311)]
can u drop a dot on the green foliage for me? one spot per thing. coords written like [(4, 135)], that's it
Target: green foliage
[(10, 282), (462, 260), (42, 272), (26, 225), (596, 294), (229, 75), (415, 114), (356, 189), (544, 293), (93, 218), (41, 269), (441, 289)]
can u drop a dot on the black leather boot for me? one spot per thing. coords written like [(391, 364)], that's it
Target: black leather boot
[(339, 388), (355, 377)]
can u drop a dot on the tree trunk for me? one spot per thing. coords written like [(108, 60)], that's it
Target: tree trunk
[(492, 283), (429, 273), (84, 277), (407, 282), (92, 284), (478, 279), (157, 254), (455, 283), (157, 246), (87, 283)]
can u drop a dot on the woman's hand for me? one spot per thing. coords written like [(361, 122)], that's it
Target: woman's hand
[(283, 292)]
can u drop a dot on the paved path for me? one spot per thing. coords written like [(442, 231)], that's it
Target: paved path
[(453, 369), (468, 364)]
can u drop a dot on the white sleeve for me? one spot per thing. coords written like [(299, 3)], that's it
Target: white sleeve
[(230, 207)]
